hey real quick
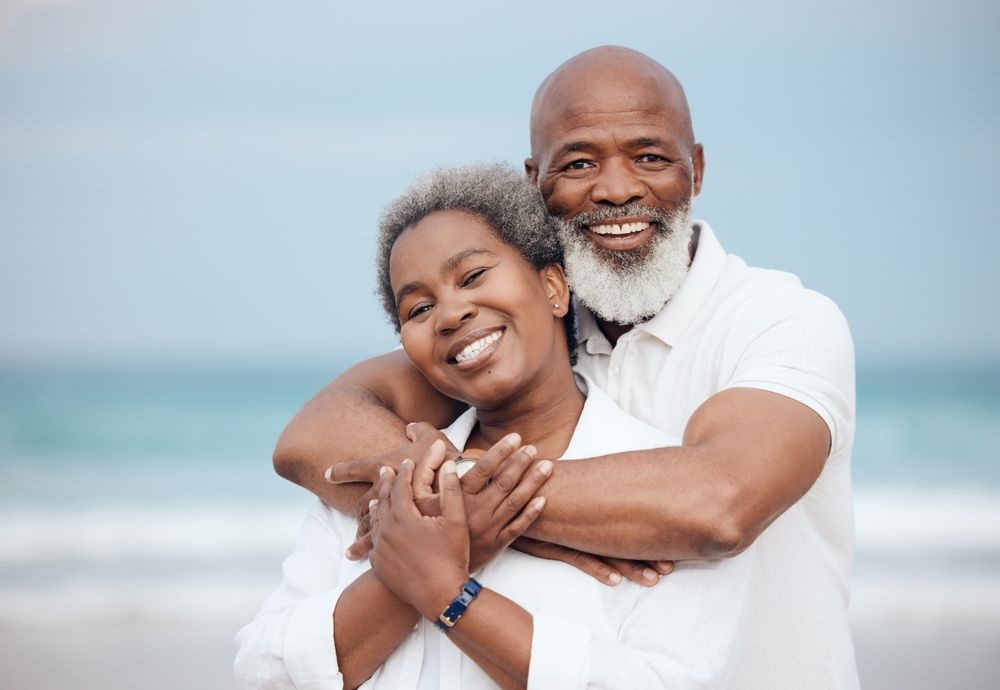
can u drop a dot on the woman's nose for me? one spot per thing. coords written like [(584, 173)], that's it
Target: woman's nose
[(451, 314)]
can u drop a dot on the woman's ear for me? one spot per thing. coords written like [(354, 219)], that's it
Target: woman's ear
[(556, 288)]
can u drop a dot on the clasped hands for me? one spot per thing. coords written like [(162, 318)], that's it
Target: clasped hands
[(497, 491)]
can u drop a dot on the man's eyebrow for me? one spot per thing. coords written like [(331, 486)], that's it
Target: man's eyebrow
[(642, 142), (449, 264), (574, 147)]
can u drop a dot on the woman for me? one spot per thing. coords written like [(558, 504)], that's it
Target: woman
[(469, 274)]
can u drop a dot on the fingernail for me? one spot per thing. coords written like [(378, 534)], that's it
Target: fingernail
[(650, 575), (449, 467), (410, 425), (382, 470), (371, 504), (437, 445), (349, 554), (666, 568), (539, 503), (406, 461), (514, 440), (530, 451), (328, 473), (545, 467), (615, 579)]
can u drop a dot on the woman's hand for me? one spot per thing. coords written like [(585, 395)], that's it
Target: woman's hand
[(423, 559), (502, 509)]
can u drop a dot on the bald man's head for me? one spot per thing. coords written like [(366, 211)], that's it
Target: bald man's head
[(604, 79)]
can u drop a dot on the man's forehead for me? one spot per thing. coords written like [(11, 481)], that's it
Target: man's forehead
[(609, 86)]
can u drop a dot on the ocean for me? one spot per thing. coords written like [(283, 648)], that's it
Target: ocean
[(142, 498)]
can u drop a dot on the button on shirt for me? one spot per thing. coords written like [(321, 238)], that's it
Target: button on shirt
[(730, 326), (687, 632)]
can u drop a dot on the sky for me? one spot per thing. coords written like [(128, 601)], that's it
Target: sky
[(192, 182)]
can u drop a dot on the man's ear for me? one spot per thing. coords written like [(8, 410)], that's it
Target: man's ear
[(556, 288), (697, 167), (531, 170)]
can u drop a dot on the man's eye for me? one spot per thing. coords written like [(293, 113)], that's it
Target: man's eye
[(652, 158), (472, 277), (418, 310), (578, 165)]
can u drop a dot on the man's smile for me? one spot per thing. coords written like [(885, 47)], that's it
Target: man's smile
[(621, 236)]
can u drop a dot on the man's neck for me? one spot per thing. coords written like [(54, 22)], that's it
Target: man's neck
[(545, 417)]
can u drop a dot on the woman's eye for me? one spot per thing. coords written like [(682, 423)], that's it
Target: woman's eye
[(472, 277), (418, 310)]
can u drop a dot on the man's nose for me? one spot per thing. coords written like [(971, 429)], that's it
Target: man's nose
[(452, 313), (617, 184)]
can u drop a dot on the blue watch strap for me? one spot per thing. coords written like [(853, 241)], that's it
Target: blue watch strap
[(448, 617)]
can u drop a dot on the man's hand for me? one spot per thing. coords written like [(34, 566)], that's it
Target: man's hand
[(610, 571), (366, 470)]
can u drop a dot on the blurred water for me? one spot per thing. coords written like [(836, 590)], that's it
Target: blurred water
[(149, 495)]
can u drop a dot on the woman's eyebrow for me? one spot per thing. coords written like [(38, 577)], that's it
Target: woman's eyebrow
[(454, 260), (449, 264)]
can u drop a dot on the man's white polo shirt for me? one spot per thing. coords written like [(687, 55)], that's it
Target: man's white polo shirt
[(729, 326)]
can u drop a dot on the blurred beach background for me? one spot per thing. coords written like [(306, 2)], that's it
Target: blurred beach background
[(188, 194)]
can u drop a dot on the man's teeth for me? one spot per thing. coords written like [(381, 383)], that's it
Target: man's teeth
[(473, 349), (623, 229)]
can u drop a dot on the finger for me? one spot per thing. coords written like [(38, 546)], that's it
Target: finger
[(638, 572), (417, 431), (402, 487), (663, 567), (385, 483), (522, 522), (426, 471), (475, 479), (588, 563), (524, 483), (363, 470), (452, 500), (363, 516), (360, 548)]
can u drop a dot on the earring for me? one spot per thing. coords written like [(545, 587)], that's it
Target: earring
[(555, 306)]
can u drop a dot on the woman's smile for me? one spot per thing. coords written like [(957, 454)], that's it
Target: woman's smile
[(476, 348)]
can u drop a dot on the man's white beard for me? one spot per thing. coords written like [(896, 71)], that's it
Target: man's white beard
[(628, 287)]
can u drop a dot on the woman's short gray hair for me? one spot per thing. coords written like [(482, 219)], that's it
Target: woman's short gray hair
[(503, 197)]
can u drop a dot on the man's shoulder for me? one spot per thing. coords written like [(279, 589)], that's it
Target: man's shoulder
[(752, 293)]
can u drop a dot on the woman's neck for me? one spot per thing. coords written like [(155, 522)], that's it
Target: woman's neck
[(545, 416)]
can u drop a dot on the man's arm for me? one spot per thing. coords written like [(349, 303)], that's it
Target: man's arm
[(361, 414), (748, 455)]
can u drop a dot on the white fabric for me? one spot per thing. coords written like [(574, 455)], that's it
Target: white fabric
[(687, 632), (731, 326)]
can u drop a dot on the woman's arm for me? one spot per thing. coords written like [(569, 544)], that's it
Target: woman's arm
[(683, 634)]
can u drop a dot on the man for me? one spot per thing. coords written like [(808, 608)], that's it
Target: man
[(754, 372)]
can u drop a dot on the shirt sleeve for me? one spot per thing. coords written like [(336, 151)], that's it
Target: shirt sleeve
[(289, 645), (682, 633), (797, 343)]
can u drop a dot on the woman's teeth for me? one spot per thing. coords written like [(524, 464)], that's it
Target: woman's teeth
[(623, 229), (472, 350)]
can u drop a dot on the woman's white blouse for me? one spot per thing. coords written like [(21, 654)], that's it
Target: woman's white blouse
[(685, 632)]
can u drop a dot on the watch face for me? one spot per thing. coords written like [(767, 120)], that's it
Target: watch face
[(463, 465)]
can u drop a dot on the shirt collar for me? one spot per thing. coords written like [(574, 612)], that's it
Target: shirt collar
[(673, 319)]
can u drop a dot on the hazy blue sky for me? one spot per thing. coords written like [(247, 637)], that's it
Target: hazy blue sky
[(199, 181)]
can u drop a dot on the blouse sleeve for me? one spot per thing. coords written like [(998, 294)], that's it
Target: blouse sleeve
[(289, 644)]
